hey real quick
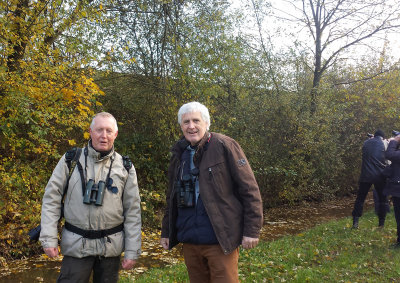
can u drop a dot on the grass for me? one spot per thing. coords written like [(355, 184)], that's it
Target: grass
[(331, 252)]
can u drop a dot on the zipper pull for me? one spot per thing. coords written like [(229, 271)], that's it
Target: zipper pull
[(209, 173)]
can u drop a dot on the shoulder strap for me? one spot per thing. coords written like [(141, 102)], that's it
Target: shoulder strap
[(127, 162), (69, 156), (72, 159)]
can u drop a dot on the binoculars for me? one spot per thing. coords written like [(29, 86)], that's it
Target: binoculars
[(94, 193), (395, 133), (185, 189)]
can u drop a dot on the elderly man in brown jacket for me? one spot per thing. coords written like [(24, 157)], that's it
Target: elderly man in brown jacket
[(213, 200)]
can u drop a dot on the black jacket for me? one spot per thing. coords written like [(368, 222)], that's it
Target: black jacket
[(393, 182), (373, 160)]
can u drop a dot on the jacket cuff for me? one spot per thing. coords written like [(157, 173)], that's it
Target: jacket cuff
[(132, 254), (49, 244)]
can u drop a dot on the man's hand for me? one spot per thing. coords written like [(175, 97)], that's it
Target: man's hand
[(249, 243), (128, 263), (165, 243), (51, 252)]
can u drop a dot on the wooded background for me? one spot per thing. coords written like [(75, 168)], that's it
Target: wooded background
[(300, 113)]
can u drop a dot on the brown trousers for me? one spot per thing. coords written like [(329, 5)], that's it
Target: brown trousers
[(208, 263)]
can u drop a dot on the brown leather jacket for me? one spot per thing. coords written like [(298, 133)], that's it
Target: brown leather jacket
[(228, 189)]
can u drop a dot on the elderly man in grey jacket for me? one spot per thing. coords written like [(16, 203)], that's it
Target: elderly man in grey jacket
[(101, 210)]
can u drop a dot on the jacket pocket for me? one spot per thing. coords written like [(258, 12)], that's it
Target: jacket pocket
[(72, 244), (219, 178), (114, 244)]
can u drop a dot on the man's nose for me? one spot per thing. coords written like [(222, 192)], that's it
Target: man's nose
[(191, 124)]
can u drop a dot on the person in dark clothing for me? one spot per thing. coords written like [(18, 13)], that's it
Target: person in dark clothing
[(377, 204), (213, 200), (392, 187), (373, 163)]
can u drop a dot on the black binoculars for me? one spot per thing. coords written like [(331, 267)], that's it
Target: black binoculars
[(185, 189), (94, 193), (395, 133)]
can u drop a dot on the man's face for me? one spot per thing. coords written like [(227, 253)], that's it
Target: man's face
[(103, 133), (193, 127)]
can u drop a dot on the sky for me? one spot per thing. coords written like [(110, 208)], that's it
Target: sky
[(277, 29)]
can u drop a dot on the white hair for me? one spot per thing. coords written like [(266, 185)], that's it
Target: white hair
[(194, 107), (104, 115)]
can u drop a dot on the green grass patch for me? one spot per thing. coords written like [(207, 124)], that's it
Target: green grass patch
[(331, 252)]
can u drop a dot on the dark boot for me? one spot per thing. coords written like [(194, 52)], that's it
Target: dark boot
[(381, 222), (355, 222), (395, 246)]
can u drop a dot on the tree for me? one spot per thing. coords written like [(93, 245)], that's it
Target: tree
[(337, 25), (47, 97), (335, 29), (166, 53)]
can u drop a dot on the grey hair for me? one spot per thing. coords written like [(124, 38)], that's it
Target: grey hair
[(194, 107), (105, 115)]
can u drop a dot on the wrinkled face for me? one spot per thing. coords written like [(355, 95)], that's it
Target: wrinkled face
[(103, 133), (193, 127)]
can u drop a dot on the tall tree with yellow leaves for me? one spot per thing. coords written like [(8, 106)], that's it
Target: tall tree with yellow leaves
[(47, 97)]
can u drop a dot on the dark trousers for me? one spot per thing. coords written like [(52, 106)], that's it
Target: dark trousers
[(377, 205), (396, 208), (208, 263), (362, 193), (78, 270)]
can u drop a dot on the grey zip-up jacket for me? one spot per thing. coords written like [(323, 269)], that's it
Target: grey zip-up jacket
[(118, 207)]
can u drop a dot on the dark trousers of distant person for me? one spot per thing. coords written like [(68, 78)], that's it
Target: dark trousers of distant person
[(78, 270), (377, 204), (396, 208), (361, 196)]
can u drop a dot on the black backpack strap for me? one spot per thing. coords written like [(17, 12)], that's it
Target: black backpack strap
[(72, 159), (127, 162), (69, 156)]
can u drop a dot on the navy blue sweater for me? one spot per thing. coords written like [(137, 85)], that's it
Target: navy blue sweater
[(193, 224)]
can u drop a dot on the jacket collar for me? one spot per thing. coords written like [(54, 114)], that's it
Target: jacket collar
[(96, 155), (201, 147)]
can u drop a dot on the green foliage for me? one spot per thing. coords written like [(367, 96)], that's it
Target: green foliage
[(147, 129), (294, 155), (331, 252), (159, 55), (46, 101)]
